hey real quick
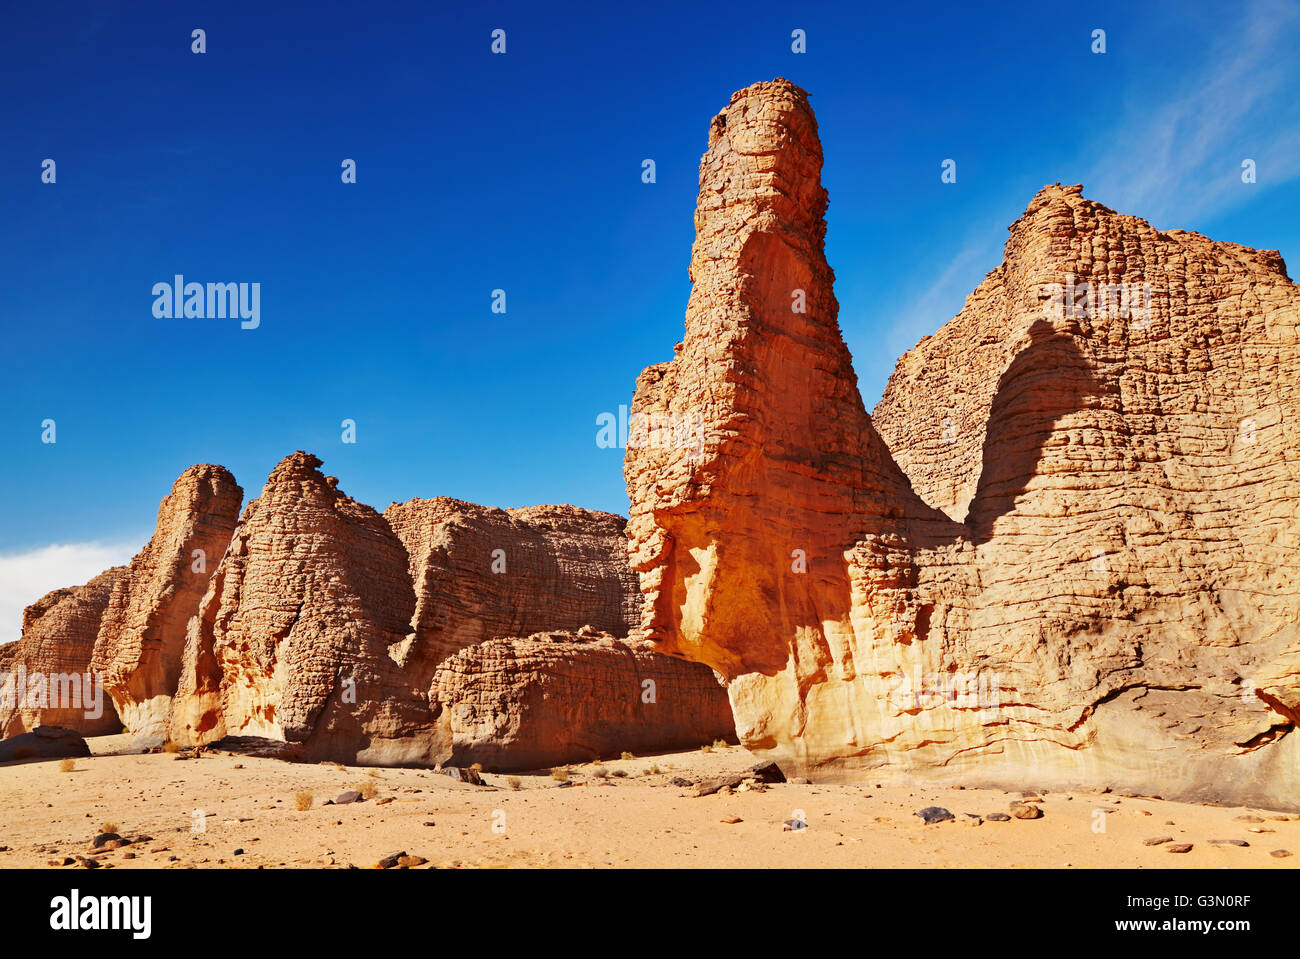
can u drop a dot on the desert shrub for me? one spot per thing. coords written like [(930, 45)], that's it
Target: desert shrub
[(368, 789), (514, 782), (626, 755), (303, 800), (561, 773), (109, 826), (67, 765)]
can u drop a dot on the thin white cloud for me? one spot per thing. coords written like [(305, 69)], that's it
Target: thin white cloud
[(1180, 157), (26, 577), (944, 297)]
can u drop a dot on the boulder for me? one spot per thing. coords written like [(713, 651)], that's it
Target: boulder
[(44, 742), (555, 698)]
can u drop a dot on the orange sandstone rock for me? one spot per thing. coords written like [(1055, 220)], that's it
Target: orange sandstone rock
[(480, 573), (292, 639), (138, 649), (554, 698), (1079, 563), (58, 639)]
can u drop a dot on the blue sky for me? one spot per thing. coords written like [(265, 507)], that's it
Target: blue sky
[(522, 172)]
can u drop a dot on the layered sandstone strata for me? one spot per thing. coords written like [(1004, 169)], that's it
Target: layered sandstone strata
[(292, 639), (480, 573), (555, 697), (1099, 579), (47, 679), (138, 648)]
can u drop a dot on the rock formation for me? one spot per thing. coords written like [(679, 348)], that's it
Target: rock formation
[(480, 573), (553, 698), (292, 638), (47, 677), (43, 742), (138, 648), (1098, 581)]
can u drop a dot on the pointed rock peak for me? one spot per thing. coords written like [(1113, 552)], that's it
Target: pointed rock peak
[(298, 463)]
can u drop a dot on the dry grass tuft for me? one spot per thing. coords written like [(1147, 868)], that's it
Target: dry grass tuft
[(302, 801), (67, 765), (514, 782), (561, 773)]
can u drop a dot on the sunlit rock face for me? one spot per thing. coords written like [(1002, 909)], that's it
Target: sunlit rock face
[(142, 634), (292, 639), (1066, 550)]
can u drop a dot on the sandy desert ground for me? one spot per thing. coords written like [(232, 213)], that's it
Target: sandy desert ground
[(247, 808)]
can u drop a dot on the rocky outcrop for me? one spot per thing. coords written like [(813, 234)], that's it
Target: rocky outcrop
[(481, 573), (138, 648), (47, 676), (292, 639), (553, 698), (1099, 580), (43, 742)]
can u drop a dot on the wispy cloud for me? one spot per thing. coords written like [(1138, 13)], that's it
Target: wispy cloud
[(943, 298), (1180, 157), (26, 577)]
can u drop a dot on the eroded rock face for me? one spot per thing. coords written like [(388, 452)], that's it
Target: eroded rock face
[(1101, 568), (481, 573), (292, 639), (47, 679), (553, 698), (142, 633)]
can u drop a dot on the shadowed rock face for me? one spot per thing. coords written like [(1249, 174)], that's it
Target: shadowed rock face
[(480, 573), (553, 698), (291, 641), (142, 633), (58, 639), (1101, 566)]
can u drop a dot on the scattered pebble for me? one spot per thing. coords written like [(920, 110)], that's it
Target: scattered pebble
[(933, 814)]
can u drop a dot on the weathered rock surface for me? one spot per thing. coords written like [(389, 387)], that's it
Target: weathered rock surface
[(138, 649), (47, 678), (481, 573), (1099, 581), (292, 639), (554, 698), (44, 742)]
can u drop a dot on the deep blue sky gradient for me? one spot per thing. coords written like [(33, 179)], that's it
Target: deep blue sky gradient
[(523, 172)]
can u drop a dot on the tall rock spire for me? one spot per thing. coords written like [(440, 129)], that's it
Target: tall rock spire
[(1078, 476)]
